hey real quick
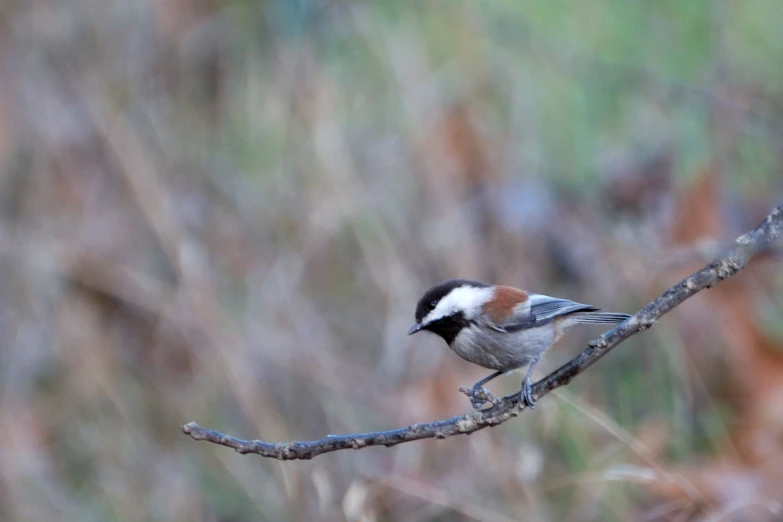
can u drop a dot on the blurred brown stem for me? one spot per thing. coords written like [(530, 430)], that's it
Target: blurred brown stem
[(729, 263)]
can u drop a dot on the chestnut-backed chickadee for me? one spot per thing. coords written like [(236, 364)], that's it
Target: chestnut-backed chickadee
[(500, 327)]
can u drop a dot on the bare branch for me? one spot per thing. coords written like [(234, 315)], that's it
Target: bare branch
[(729, 263)]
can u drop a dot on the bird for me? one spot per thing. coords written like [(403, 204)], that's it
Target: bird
[(501, 328)]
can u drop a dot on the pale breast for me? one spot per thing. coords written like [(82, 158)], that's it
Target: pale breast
[(502, 351)]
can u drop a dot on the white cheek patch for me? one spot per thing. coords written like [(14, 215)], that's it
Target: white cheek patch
[(522, 309), (466, 299)]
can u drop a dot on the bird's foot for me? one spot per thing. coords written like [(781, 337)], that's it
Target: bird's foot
[(526, 395), (479, 396)]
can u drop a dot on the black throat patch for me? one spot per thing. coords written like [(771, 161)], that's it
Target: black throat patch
[(448, 327)]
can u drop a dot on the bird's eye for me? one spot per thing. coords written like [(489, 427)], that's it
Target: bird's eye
[(432, 304)]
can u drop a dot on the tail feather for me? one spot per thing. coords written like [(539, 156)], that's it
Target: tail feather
[(599, 317)]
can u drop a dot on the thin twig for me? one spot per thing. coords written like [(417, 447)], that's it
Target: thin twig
[(729, 263)]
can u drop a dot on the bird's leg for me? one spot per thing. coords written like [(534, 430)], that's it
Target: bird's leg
[(478, 395), (526, 393)]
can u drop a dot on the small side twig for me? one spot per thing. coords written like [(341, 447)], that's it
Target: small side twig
[(729, 263), (482, 394)]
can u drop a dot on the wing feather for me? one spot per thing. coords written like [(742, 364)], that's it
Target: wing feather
[(537, 311), (545, 308)]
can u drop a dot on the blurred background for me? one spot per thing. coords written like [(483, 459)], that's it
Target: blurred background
[(224, 211)]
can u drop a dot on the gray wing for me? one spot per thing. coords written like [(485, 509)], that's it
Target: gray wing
[(539, 310), (545, 308)]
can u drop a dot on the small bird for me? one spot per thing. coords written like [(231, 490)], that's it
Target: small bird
[(500, 327)]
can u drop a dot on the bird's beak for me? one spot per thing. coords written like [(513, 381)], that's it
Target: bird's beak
[(415, 328)]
